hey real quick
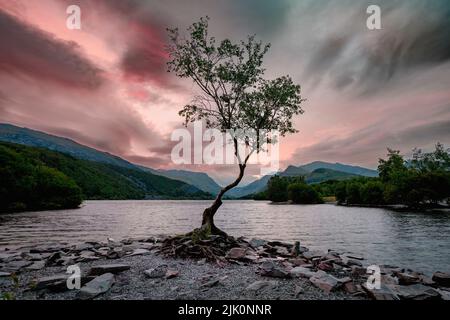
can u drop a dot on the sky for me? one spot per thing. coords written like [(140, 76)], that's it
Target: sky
[(107, 86)]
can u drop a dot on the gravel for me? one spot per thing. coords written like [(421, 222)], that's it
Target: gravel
[(196, 280)]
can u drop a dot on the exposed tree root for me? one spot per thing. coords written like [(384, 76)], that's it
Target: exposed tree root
[(200, 244)]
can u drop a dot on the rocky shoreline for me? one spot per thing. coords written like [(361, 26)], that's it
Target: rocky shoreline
[(251, 270)]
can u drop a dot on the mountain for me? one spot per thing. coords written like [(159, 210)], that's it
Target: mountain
[(314, 172), (322, 174), (33, 138), (101, 180), (254, 187), (360, 171), (294, 171), (28, 137), (28, 184), (198, 179)]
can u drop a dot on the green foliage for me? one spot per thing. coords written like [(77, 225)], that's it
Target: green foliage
[(301, 193), (393, 167), (295, 189), (260, 196), (341, 192), (38, 179), (28, 185), (424, 181), (232, 91), (372, 192), (277, 187)]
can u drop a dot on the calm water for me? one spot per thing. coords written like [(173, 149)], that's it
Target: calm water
[(416, 240)]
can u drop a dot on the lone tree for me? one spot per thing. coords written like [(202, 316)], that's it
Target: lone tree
[(233, 95)]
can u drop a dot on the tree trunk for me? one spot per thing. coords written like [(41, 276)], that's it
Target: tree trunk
[(208, 214)]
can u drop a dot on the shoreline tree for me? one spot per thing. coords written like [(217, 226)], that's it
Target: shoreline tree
[(233, 95)]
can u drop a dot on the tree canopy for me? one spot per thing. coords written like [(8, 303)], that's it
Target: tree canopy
[(233, 94)]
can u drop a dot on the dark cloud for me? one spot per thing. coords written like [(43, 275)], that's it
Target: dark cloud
[(414, 36), (261, 16), (29, 51), (145, 57), (361, 146)]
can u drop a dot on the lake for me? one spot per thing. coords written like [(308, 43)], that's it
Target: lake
[(416, 240)]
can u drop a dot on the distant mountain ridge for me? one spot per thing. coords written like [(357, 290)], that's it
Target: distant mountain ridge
[(360, 171), (314, 172), (198, 179), (33, 138), (102, 181)]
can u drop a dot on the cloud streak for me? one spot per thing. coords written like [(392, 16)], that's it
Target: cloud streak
[(28, 51), (107, 86)]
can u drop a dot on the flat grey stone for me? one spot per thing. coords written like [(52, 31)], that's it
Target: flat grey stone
[(384, 293), (158, 272), (15, 266), (325, 281), (37, 265), (269, 269), (46, 282), (259, 285), (99, 285), (302, 272), (442, 279), (255, 243), (236, 253), (415, 292), (139, 252), (313, 254), (108, 268)]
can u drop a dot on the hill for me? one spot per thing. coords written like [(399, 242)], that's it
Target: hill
[(33, 138), (254, 187), (105, 181), (198, 179), (356, 170), (313, 173)]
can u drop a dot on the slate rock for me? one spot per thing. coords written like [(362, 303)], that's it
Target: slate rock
[(140, 252), (302, 272), (325, 281), (416, 292), (256, 243), (313, 254), (16, 266), (269, 269), (171, 274), (236, 253), (406, 279), (97, 286), (261, 284), (384, 293), (158, 272), (37, 265), (108, 268), (46, 282), (442, 279)]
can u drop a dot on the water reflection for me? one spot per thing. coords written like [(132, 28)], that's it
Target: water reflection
[(420, 241)]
